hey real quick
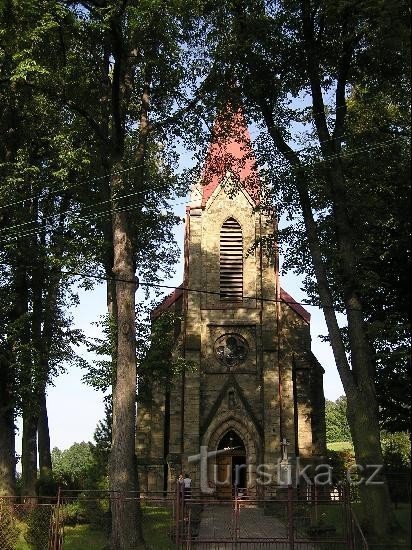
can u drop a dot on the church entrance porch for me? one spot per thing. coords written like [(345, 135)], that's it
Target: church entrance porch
[(230, 470)]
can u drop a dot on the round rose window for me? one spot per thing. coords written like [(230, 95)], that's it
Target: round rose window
[(231, 349)]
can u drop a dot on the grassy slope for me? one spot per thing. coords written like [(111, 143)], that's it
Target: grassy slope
[(340, 446)]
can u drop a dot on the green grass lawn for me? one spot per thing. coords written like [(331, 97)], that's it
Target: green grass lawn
[(156, 525), (21, 543), (340, 446), (81, 537)]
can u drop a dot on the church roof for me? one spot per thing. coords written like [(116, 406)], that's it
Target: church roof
[(169, 300), (292, 303), (230, 150)]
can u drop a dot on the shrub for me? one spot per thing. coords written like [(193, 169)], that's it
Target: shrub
[(9, 532), (74, 513), (38, 527), (88, 510), (340, 461), (396, 449)]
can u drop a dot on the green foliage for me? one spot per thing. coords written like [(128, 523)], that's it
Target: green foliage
[(73, 513), (102, 443), (163, 361), (337, 427), (332, 81), (9, 531), (340, 461), (396, 448), (46, 485), (38, 527), (88, 509), (75, 467), (101, 373)]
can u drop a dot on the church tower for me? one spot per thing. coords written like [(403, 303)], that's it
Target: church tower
[(256, 392)]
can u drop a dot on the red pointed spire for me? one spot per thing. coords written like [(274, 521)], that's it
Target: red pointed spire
[(230, 150)]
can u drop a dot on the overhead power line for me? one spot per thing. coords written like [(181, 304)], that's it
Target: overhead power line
[(138, 283), (97, 178), (67, 188), (70, 211), (33, 231)]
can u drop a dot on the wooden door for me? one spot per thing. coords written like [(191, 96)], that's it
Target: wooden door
[(224, 477)]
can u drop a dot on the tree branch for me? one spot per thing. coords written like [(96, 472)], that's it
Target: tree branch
[(85, 114), (340, 95), (325, 294), (318, 106)]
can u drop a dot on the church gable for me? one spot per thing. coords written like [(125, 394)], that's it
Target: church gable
[(220, 208), (231, 400), (229, 190)]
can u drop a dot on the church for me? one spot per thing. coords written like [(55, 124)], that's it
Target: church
[(255, 394)]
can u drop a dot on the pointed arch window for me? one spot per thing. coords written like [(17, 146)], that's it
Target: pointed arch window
[(231, 261)]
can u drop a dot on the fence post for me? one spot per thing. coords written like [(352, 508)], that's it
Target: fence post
[(189, 530), (348, 517), (177, 514), (291, 533), (56, 542), (236, 511)]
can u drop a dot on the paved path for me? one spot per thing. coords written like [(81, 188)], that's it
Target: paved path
[(218, 524)]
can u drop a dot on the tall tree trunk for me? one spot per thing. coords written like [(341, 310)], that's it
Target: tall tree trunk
[(32, 392), (123, 476), (29, 452), (122, 464), (23, 355), (43, 435), (7, 432)]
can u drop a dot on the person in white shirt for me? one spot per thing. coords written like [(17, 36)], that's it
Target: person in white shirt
[(187, 484)]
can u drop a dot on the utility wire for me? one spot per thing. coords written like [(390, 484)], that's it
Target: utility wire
[(128, 195), (138, 283), (70, 211), (97, 178), (45, 227), (62, 189), (35, 231)]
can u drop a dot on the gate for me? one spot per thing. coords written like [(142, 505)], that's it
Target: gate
[(286, 520)]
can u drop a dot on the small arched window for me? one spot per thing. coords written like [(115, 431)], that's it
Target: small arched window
[(231, 261)]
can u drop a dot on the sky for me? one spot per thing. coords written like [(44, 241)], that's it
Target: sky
[(75, 409)]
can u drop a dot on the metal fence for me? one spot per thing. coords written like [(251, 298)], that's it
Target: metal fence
[(30, 522), (289, 519), (308, 518)]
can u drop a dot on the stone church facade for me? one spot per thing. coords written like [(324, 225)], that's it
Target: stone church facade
[(255, 382)]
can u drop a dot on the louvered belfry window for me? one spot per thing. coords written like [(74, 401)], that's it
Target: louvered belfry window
[(231, 261)]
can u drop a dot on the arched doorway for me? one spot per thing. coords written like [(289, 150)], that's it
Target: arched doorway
[(230, 465)]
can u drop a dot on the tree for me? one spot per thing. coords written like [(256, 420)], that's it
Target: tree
[(276, 51), (337, 428), (38, 336), (114, 131), (75, 467), (134, 68)]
